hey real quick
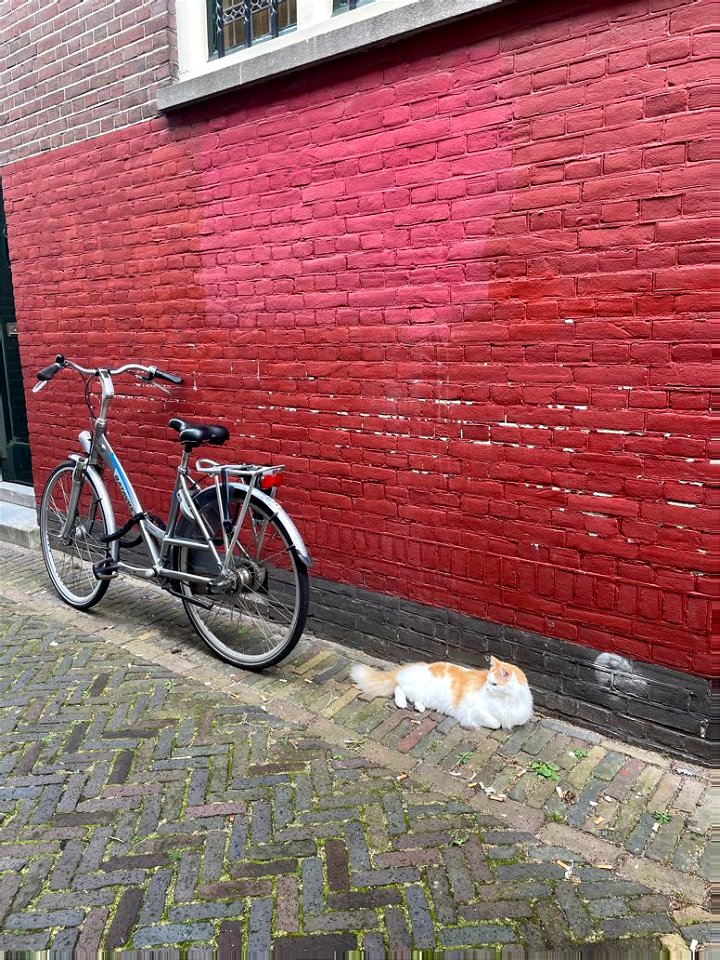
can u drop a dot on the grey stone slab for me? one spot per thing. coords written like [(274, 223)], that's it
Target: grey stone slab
[(473, 936)]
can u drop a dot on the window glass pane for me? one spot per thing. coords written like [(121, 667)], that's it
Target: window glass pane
[(260, 22), (246, 22), (287, 14), (235, 24), (234, 33)]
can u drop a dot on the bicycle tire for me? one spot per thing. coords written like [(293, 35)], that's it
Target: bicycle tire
[(69, 564), (254, 624)]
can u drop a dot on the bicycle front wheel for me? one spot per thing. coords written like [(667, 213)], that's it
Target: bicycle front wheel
[(69, 560), (256, 615)]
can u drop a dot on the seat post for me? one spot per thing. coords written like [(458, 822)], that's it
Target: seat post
[(184, 459)]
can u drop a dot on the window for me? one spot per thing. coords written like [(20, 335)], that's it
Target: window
[(234, 24)]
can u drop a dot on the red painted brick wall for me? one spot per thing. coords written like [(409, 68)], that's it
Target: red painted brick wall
[(460, 286)]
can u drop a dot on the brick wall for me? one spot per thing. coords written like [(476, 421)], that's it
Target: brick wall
[(459, 286), (74, 69)]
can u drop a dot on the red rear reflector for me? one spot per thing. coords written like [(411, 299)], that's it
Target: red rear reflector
[(270, 480)]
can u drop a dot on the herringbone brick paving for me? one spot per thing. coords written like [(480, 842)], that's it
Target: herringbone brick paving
[(152, 796)]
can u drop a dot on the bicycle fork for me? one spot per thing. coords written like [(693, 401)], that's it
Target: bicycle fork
[(72, 509)]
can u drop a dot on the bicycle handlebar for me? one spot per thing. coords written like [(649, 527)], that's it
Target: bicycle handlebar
[(147, 373), (47, 373), (155, 374)]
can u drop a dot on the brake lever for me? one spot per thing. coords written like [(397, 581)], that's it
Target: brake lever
[(151, 382)]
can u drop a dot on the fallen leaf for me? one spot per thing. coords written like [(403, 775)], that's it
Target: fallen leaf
[(598, 821)]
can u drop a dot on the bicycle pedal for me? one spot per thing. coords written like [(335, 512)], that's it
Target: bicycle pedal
[(105, 569)]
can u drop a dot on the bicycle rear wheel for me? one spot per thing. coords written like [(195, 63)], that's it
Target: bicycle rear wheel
[(257, 618), (70, 560)]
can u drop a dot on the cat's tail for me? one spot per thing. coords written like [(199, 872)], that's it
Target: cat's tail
[(375, 683)]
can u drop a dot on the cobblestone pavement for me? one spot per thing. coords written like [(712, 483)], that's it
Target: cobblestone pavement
[(151, 795)]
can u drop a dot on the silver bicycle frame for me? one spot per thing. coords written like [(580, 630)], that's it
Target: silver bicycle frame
[(157, 540), (97, 448)]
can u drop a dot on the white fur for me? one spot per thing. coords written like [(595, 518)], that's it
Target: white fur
[(493, 705)]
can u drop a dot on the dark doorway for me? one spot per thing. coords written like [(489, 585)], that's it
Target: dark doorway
[(14, 442)]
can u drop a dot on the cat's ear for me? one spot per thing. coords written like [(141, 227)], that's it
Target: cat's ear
[(494, 662)]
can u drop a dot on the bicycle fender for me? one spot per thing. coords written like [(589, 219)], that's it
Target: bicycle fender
[(273, 506), (286, 521)]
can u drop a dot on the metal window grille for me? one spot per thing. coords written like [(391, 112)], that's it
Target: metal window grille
[(241, 23)]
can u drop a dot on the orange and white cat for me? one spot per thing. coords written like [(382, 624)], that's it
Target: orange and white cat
[(498, 697)]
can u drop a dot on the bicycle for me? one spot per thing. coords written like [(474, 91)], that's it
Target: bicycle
[(228, 550)]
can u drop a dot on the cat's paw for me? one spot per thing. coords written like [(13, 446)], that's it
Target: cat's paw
[(400, 698), (420, 707)]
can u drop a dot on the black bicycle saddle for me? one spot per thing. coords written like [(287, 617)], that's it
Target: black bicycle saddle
[(193, 434)]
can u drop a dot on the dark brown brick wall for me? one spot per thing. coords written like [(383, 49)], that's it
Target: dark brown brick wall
[(74, 69)]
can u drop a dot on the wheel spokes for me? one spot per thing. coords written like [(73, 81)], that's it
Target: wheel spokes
[(255, 618)]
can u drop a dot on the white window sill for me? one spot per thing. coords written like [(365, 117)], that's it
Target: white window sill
[(346, 33)]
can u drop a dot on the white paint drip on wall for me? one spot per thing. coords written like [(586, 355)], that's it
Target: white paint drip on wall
[(607, 664)]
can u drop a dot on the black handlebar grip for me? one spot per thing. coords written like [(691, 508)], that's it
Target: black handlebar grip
[(47, 373), (170, 377)]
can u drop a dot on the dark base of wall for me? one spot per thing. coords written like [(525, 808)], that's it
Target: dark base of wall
[(653, 707)]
